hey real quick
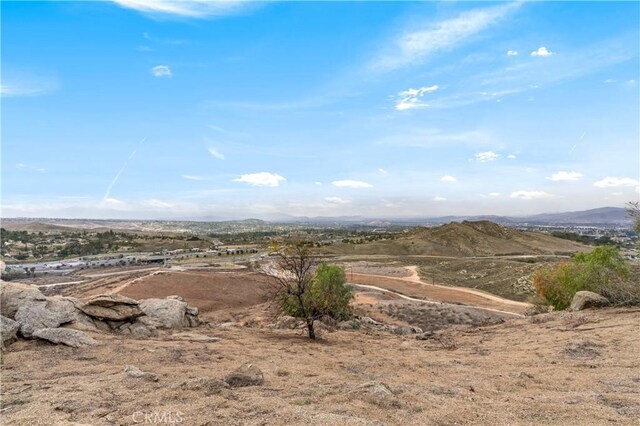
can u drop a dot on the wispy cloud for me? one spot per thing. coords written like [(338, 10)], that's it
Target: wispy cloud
[(383, 171), (564, 175), (412, 98), (415, 46), (185, 8), (439, 198), (30, 167), (215, 153), (512, 53), (531, 195), (161, 71), (448, 179), (192, 177), (611, 181), (261, 179), (19, 83), (542, 51), (357, 184), (485, 157), (336, 200)]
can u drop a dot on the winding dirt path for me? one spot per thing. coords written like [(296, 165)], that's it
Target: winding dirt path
[(414, 288)]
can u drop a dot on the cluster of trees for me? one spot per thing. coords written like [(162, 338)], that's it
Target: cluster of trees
[(306, 289)]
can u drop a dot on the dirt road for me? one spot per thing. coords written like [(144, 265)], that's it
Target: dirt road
[(413, 287)]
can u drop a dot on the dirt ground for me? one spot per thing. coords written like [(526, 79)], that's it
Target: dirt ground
[(208, 291), (553, 369)]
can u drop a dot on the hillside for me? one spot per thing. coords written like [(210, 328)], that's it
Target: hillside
[(553, 369), (480, 238)]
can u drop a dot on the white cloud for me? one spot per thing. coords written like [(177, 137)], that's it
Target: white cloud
[(617, 193), (261, 179), (215, 153), (487, 156), (610, 181), (183, 8), (383, 171), (541, 51), (336, 200), (449, 179), (113, 201), (414, 46), (191, 177), (494, 194), (351, 184), (511, 156), (530, 195), (318, 183), (161, 71), (512, 53), (30, 167), (157, 204), (438, 198), (412, 98), (563, 175)]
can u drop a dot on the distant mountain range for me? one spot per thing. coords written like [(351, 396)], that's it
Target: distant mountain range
[(599, 216)]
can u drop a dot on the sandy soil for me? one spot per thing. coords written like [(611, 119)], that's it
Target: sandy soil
[(555, 369)]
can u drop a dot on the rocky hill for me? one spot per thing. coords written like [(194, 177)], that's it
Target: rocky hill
[(468, 238)]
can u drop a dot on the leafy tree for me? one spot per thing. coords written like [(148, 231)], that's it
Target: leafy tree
[(329, 294), (306, 292), (633, 210)]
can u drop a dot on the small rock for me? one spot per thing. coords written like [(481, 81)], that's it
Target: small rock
[(588, 299), (66, 336), (136, 373), (246, 375), (8, 330), (377, 393), (286, 322), (353, 324), (426, 335)]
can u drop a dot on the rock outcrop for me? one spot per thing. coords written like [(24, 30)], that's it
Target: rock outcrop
[(170, 312), (65, 336), (36, 317), (588, 299), (8, 330), (15, 295), (112, 307), (65, 319)]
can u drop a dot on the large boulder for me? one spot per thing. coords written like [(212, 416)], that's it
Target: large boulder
[(141, 327), (15, 295), (245, 375), (36, 317), (8, 330), (65, 336), (588, 299), (112, 307), (169, 313)]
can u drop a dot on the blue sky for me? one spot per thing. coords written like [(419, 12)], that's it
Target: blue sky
[(173, 109)]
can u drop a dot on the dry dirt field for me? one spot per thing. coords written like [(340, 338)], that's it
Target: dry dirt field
[(561, 369)]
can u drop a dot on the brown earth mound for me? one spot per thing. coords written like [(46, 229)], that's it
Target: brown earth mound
[(481, 238)]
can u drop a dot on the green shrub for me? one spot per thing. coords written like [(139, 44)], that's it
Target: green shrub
[(602, 271)]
